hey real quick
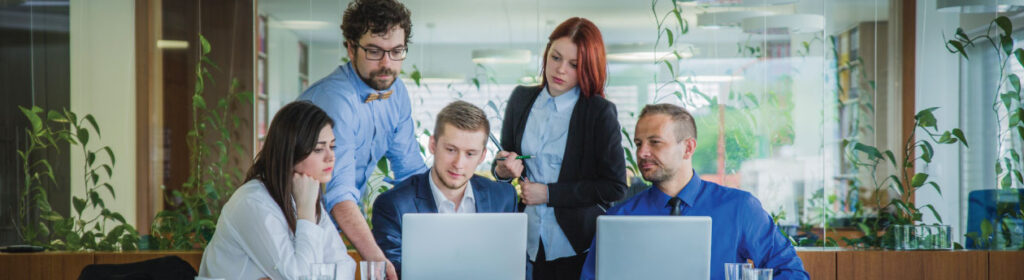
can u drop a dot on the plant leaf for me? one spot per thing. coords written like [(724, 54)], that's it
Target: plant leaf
[(1004, 23), (872, 152), (958, 48), (198, 102), (896, 185), (110, 189), (33, 118), (925, 117), (960, 135), (1019, 54), (83, 136), (110, 153), (205, 44), (670, 36), (55, 116), (936, 213), (79, 205), (92, 121), (1007, 44), (936, 186)]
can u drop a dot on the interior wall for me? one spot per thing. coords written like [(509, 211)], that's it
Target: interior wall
[(937, 84), (103, 84)]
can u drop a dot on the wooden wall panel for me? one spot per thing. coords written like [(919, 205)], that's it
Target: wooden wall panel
[(821, 265), (1005, 265), (193, 258), (43, 266), (937, 265)]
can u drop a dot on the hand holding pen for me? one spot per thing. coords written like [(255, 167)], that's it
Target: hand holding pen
[(509, 164)]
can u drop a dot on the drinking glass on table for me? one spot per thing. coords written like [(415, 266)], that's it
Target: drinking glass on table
[(757, 274), (372, 270), (734, 271)]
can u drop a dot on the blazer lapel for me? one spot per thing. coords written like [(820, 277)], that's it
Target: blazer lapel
[(483, 199), (424, 198)]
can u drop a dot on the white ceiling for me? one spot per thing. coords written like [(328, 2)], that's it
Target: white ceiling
[(529, 21)]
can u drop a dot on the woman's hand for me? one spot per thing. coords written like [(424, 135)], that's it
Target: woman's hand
[(510, 167), (305, 189), (533, 193)]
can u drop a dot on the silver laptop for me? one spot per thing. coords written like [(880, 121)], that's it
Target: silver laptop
[(464, 246), (653, 247)]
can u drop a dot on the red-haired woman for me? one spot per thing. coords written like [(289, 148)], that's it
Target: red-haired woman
[(577, 165)]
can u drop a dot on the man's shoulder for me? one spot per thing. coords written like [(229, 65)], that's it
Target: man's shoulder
[(333, 87), (626, 206), (741, 200), (407, 187)]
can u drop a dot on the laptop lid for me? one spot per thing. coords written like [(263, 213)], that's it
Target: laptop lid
[(464, 246), (653, 247)]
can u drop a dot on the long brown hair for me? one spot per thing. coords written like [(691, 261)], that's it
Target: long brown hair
[(292, 137), (590, 54)]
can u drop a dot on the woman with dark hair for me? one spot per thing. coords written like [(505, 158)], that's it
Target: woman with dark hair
[(274, 225), (577, 165)]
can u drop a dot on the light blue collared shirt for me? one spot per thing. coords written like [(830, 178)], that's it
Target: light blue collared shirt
[(547, 129), (365, 132)]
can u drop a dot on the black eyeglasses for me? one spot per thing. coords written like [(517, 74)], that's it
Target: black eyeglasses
[(373, 53)]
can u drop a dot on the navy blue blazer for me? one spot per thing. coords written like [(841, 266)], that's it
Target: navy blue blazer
[(414, 196)]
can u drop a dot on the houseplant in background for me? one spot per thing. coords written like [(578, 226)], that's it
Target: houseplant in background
[(192, 218), (902, 182), (1003, 229), (91, 225)]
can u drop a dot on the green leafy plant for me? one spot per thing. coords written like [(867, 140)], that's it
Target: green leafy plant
[(195, 208), (1008, 107), (92, 226), (900, 210)]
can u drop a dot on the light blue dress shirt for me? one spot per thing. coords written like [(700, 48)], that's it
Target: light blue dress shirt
[(740, 228), (547, 129), (365, 132)]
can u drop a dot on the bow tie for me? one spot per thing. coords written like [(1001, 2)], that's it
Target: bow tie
[(380, 96)]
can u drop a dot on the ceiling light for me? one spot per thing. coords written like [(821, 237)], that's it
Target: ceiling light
[(781, 24), (301, 24), (727, 18), (641, 52), (745, 2), (709, 78), (172, 44), (979, 6), (501, 56)]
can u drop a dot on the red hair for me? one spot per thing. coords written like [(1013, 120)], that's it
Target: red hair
[(590, 66)]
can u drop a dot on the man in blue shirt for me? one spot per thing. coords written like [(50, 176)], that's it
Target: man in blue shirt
[(372, 114), (666, 138)]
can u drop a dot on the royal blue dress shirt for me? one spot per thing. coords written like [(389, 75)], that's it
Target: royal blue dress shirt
[(740, 228), (364, 132)]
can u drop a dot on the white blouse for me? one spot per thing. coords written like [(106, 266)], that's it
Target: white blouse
[(253, 241)]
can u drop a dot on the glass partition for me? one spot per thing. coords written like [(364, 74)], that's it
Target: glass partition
[(781, 89)]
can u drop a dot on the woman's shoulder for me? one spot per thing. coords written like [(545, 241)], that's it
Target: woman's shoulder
[(251, 194), (525, 92)]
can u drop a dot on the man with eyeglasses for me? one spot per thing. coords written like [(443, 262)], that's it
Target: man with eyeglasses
[(372, 112)]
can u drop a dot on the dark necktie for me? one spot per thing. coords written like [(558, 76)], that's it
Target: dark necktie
[(675, 202)]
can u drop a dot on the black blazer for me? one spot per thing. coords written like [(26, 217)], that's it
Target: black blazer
[(593, 170)]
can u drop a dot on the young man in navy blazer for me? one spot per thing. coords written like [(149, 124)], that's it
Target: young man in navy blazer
[(459, 146)]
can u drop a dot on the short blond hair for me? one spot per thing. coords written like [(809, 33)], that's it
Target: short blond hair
[(464, 116)]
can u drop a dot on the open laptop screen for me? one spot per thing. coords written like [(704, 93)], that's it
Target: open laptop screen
[(653, 247), (464, 246)]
